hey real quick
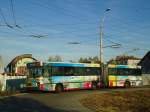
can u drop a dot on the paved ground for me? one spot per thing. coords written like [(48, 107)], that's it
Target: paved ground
[(50, 102)]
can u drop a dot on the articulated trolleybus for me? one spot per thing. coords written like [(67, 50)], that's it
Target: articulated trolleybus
[(58, 76)]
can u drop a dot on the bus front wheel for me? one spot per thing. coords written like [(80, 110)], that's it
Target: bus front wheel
[(58, 88)]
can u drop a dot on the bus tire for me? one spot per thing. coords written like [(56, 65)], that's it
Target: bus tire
[(58, 88), (94, 86), (127, 84)]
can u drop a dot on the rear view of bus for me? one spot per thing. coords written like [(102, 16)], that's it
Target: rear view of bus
[(124, 76)]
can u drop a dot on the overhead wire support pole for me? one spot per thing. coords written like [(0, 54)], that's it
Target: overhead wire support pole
[(101, 45)]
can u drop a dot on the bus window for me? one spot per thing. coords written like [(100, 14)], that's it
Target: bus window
[(95, 71), (58, 71), (46, 71), (138, 72), (129, 71), (36, 72), (87, 71), (112, 71), (68, 70), (122, 71), (135, 72), (92, 71), (50, 70), (79, 71)]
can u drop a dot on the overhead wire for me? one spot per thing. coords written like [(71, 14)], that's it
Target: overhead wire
[(43, 5), (13, 12), (55, 9), (4, 19)]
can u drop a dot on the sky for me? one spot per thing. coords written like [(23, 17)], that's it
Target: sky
[(64, 21)]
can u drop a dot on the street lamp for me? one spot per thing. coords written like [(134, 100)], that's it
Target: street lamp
[(101, 42), (101, 34)]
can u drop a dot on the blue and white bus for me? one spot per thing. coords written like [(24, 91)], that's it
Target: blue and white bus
[(59, 76)]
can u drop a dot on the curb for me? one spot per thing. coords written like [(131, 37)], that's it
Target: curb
[(18, 94)]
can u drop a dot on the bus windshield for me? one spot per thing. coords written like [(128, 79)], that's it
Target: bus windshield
[(36, 72)]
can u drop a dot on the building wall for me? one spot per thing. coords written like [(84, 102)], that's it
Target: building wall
[(146, 70), (20, 67), (24, 61), (146, 66), (133, 62)]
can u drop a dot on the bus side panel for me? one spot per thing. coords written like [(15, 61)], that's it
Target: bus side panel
[(46, 84), (135, 80), (121, 80), (31, 84), (74, 82), (112, 81), (88, 81)]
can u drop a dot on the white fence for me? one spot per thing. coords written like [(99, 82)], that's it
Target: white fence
[(4, 78)]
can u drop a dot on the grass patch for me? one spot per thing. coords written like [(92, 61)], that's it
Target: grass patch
[(119, 101)]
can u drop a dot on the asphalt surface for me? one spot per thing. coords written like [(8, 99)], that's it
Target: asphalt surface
[(49, 102)]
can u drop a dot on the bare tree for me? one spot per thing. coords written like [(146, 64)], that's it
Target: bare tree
[(89, 60), (56, 58), (121, 59)]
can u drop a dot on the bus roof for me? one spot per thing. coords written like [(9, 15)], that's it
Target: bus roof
[(72, 64), (122, 66)]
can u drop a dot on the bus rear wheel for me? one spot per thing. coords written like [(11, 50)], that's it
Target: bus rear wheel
[(58, 88), (94, 86), (127, 84)]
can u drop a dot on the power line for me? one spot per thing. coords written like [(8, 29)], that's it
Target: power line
[(4, 19), (41, 4), (10, 26), (13, 12), (62, 10), (111, 41)]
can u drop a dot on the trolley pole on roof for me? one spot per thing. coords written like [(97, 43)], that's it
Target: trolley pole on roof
[(101, 44)]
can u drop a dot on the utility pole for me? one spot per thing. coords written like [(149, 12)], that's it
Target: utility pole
[(101, 44), (1, 64)]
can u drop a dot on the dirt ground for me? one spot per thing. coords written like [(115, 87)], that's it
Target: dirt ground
[(119, 101)]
